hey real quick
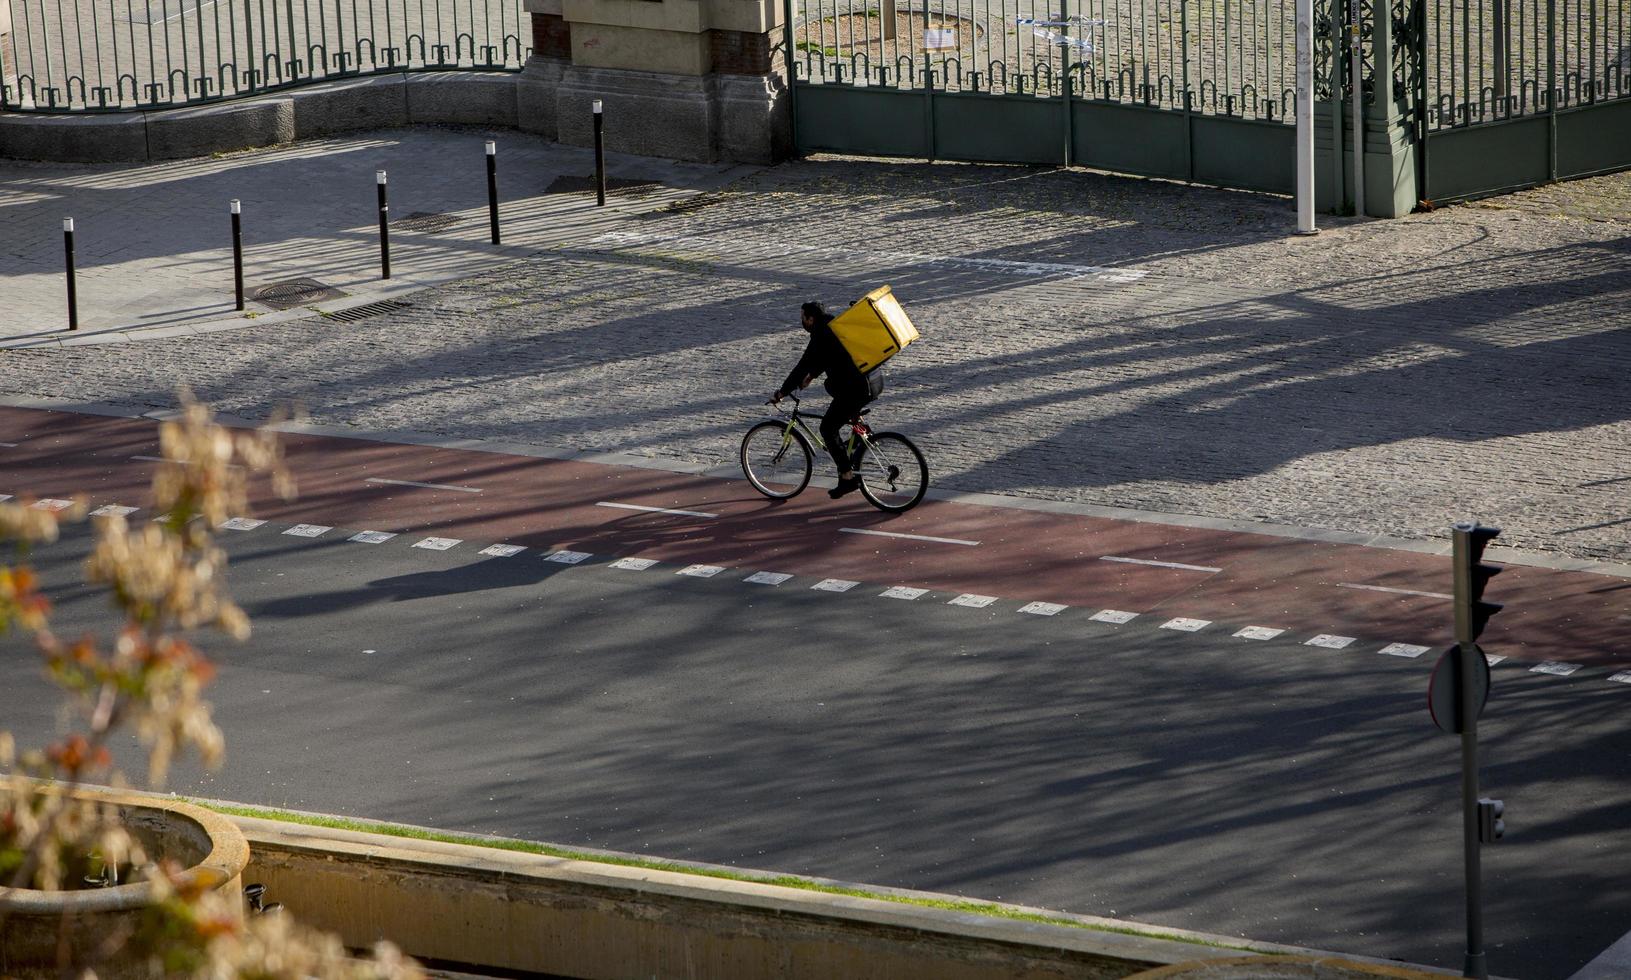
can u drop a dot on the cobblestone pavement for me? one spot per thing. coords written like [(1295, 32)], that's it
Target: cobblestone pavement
[(1087, 338)]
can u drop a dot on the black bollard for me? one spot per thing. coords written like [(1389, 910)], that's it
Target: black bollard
[(600, 154), (237, 253), (73, 295), (492, 188), (384, 233)]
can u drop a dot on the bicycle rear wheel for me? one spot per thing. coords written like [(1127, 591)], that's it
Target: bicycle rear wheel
[(776, 459), (894, 475)]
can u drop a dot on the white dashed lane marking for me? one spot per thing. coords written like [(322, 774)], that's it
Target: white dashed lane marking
[(902, 592), (8, 445), (426, 486), (114, 510), (4, 497), (656, 510), (973, 601), (1383, 588), (1403, 650), (1116, 616), (909, 537), (1329, 642), (51, 504), (1623, 677), (242, 524), (568, 557), (1186, 625), (372, 537), (1258, 633), (437, 544), (834, 585), (1555, 668), (634, 564), (700, 571), (1161, 564), (161, 459), (502, 550), (767, 578), (308, 530), (1043, 608)]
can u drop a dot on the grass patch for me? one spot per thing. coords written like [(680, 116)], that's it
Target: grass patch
[(784, 881)]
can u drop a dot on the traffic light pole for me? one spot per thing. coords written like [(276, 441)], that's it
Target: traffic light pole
[(1464, 560)]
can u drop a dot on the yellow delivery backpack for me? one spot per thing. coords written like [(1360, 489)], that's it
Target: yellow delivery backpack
[(874, 329)]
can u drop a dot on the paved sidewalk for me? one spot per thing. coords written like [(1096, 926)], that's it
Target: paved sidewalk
[(153, 243), (1089, 338)]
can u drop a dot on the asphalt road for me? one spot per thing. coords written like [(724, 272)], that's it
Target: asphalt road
[(1262, 788)]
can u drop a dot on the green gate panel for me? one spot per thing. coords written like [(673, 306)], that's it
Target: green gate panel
[(1248, 154), (1130, 139), (1484, 159), (999, 128), (1594, 139), (861, 120)]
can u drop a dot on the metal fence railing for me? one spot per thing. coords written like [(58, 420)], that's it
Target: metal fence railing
[(112, 55), (1488, 60), (1233, 57)]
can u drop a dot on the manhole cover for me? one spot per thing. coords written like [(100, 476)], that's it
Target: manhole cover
[(586, 185), (292, 293), (426, 221)]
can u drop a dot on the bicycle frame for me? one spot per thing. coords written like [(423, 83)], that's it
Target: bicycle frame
[(858, 431)]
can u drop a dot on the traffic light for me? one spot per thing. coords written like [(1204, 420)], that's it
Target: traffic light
[(1491, 827), (1471, 575)]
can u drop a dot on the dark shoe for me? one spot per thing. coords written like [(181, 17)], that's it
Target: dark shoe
[(845, 486)]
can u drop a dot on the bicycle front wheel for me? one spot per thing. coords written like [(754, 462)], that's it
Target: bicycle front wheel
[(776, 459), (894, 476)]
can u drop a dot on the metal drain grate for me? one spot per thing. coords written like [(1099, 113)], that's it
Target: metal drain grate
[(427, 221), (586, 185), (291, 293), (366, 310), (696, 202)]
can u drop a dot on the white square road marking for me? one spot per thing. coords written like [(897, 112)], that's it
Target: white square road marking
[(114, 510), (902, 592), (834, 585), (767, 578), (242, 524), (700, 571), (1556, 668), (1043, 608), (1403, 650), (1494, 658), (437, 544), (1329, 641), (372, 537), (568, 557), (1258, 633), (1623, 677), (502, 550), (1186, 625), (51, 504), (634, 564), (308, 530), (1114, 616), (973, 601), (4, 497)]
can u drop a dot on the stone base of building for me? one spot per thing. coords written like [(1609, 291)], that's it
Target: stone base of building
[(707, 118)]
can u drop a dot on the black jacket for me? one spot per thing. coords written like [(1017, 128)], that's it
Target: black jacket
[(826, 355)]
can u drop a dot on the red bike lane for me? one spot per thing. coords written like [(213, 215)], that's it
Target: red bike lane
[(1012, 553)]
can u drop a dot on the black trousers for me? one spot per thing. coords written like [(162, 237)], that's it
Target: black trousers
[(839, 414)]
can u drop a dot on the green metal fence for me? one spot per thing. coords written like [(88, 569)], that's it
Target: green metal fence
[(120, 55)]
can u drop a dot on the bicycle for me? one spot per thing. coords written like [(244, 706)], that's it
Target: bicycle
[(777, 459)]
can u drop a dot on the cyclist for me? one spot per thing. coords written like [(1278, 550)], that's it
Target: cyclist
[(849, 388)]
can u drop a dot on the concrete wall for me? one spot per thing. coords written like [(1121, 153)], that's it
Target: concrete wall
[(374, 102), (524, 912)]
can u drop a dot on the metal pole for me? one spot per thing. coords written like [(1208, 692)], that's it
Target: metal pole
[(73, 294), (600, 153), (1358, 107), (492, 188), (384, 233), (1305, 118), (1473, 965), (237, 253)]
